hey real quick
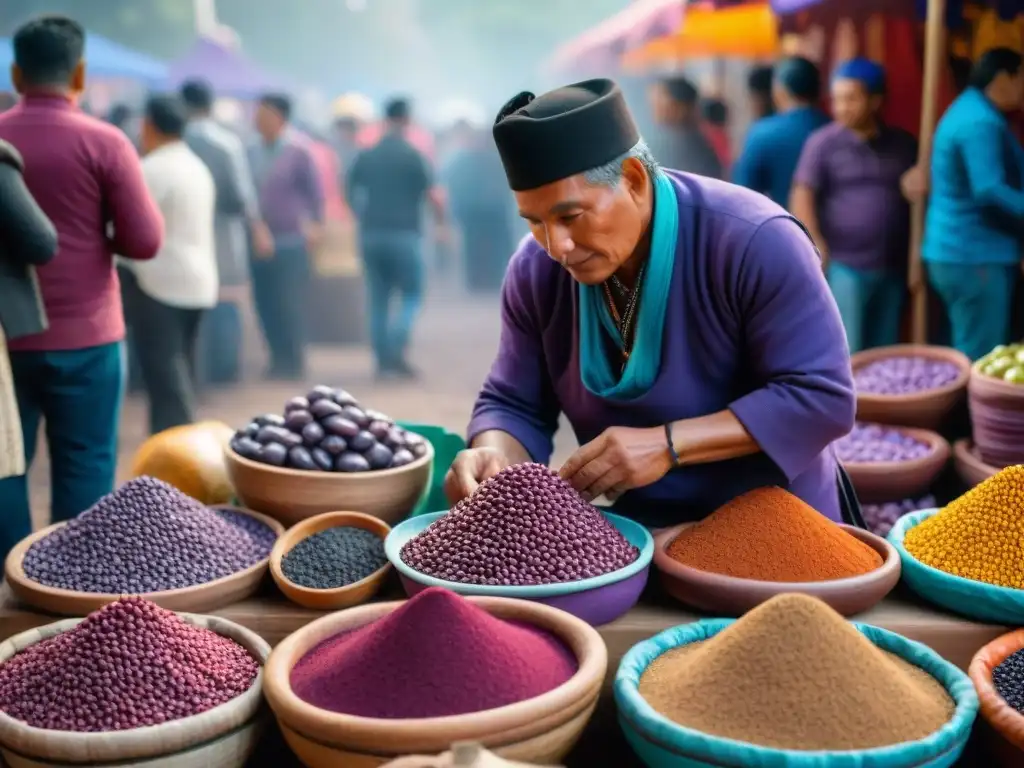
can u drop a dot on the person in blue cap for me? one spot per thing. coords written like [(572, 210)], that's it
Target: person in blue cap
[(848, 192), (773, 144), (974, 228)]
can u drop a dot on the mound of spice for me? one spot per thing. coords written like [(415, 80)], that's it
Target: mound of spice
[(526, 525), (880, 518), (334, 558), (976, 536), (768, 534), (128, 665), (435, 656), (1008, 680), (904, 375), (874, 442), (147, 536), (793, 674)]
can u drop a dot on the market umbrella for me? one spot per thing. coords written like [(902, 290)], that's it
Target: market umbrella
[(229, 73), (738, 30), (103, 59), (602, 46)]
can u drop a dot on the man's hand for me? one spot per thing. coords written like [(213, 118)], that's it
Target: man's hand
[(470, 468), (262, 240), (620, 459), (914, 184)]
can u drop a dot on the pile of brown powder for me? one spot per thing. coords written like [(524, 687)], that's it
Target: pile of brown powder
[(793, 674)]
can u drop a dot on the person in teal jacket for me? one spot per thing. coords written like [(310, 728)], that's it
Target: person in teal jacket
[(773, 144), (975, 220)]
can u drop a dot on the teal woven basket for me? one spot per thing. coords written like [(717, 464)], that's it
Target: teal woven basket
[(661, 743), (986, 602)]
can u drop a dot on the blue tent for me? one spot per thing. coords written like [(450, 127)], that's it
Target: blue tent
[(103, 58)]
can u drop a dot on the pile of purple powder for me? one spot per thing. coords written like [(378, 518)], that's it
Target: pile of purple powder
[(873, 442), (435, 656), (880, 518), (147, 536), (128, 665), (904, 375), (524, 526)]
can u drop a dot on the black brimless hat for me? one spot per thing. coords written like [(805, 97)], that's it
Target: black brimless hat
[(542, 139)]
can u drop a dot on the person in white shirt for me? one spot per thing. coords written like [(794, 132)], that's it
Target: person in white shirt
[(164, 299)]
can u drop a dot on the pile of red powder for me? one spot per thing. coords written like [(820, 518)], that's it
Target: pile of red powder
[(128, 665), (435, 656)]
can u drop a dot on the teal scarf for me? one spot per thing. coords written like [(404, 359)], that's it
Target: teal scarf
[(599, 373)]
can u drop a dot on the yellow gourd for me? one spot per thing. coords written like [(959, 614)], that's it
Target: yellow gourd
[(191, 458)]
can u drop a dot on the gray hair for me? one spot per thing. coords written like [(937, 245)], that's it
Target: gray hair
[(610, 174)]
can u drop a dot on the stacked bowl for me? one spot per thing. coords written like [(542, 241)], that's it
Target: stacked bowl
[(997, 413)]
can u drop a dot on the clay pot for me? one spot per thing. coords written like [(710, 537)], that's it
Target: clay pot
[(878, 482), (293, 495), (926, 409), (1004, 734), (969, 465), (997, 419)]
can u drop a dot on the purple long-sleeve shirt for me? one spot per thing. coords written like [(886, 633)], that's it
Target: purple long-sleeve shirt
[(751, 327), (87, 178), (289, 187)]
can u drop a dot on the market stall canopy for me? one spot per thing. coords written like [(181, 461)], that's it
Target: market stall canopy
[(103, 59), (602, 47), (229, 73), (740, 30), (955, 9)]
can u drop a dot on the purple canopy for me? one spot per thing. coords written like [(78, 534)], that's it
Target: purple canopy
[(228, 72)]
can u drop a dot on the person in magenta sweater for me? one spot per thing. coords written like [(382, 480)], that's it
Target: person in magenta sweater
[(87, 178)]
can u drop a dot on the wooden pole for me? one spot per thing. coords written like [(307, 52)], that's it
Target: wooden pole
[(934, 55)]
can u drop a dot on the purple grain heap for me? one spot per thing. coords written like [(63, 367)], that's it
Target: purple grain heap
[(873, 442), (904, 375), (524, 526), (147, 537), (128, 665)]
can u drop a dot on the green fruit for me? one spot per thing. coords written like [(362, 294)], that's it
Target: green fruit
[(1015, 375), (1019, 356), (999, 366)]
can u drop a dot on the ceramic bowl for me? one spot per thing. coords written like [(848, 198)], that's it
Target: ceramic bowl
[(878, 482), (196, 599), (969, 465), (339, 597), (597, 601), (985, 602), (1002, 726), (926, 409), (222, 737), (729, 596), (663, 743), (292, 495), (540, 730)]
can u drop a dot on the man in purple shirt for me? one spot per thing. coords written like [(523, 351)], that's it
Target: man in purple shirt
[(87, 178), (292, 206), (847, 191), (682, 324)]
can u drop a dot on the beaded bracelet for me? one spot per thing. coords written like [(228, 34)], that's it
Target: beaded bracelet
[(671, 448)]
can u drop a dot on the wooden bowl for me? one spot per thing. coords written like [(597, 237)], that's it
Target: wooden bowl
[(200, 598), (729, 596), (222, 737), (969, 465), (878, 482), (926, 409), (339, 597), (292, 495), (539, 730), (1004, 734)]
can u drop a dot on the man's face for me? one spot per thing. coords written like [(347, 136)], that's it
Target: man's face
[(268, 121), (1007, 91), (852, 105), (591, 230), (667, 111)]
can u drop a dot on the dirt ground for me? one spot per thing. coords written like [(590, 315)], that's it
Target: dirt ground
[(453, 347)]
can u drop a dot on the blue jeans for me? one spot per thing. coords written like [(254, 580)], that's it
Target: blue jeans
[(979, 303), (870, 302), (393, 266), (78, 394)]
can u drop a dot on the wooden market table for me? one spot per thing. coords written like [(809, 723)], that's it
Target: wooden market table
[(271, 616)]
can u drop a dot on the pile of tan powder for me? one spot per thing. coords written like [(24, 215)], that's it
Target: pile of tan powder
[(793, 674)]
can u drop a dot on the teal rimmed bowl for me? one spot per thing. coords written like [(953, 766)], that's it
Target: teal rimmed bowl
[(985, 602), (597, 601), (661, 743)]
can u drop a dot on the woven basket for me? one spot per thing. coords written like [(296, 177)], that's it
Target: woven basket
[(222, 737)]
